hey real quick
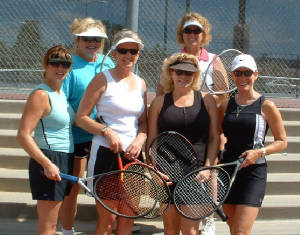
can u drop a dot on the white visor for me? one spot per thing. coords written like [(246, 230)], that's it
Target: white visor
[(125, 40), (92, 32), (194, 23)]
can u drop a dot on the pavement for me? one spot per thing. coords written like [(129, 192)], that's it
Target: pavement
[(152, 227)]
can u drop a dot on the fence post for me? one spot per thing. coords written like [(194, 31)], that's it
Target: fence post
[(132, 15)]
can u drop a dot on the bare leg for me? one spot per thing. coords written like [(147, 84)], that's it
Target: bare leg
[(48, 216), (105, 220), (69, 208), (189, 227), (124, 226), (241, 218), (171, 221)]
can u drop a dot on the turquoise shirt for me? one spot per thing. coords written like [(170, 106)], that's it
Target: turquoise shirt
[(76, 83), (54, 131)]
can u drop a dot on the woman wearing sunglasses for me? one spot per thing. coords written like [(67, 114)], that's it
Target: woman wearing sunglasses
[(193, 32), (193, 114), (245, 120), (89, 35), (120, 98), (48, 114)]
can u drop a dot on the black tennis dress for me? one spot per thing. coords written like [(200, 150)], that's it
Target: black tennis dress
[(245, 128), (192, 122)]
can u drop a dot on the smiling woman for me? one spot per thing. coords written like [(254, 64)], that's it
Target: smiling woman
[(48, 114)]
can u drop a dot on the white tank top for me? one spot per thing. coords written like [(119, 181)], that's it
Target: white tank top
[(120, 109)]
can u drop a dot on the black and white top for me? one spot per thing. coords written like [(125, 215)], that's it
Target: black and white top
[(244, 127)]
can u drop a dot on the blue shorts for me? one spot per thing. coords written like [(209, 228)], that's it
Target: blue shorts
[(44, 189)]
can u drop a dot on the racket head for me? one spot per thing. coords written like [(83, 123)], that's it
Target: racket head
[(201, 192), (217, 78), (163, 191), (172, 154), (127, 194)]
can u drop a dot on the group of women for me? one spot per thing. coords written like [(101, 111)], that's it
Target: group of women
[(75, 88)]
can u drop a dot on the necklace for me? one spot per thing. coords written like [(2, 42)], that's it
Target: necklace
[(239, 109)]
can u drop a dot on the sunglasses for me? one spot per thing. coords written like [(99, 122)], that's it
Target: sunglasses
[(124, 51), (90, 39), (246, 73), (65, 64), (181, 72), (188, 30)]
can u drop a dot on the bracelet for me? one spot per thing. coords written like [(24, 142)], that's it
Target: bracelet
[(264, 152), (103, 130)]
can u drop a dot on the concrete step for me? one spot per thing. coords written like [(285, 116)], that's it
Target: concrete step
[(8, 140), (17, 158), (14, 158), (12, 180), (20, 205), (293, 144), (12, 106), (292, 128), (11, 226), (290, 114), (10, 120)]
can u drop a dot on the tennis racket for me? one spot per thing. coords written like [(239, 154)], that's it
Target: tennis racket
[(217, 78), (164, 196), (128, 194), (172, 154), (202, 192)]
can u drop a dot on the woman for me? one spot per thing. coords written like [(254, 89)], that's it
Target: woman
[(191, 113), (89, 37), (49, 115), (120, 98), (245, 119), (193, 32)]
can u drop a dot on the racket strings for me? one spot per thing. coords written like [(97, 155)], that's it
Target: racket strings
[(173, 156), (161, 186), (201, 193), (126, 194)]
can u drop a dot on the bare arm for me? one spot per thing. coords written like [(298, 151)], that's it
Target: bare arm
[(274, 120), (153, 114), (36, 108), (214, 133)]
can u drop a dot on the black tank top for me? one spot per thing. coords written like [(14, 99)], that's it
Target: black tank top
[(192, 122), (244, 128)]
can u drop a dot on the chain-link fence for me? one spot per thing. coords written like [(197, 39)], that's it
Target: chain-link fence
[(267, 29)]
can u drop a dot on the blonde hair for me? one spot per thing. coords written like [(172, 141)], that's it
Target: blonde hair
[(165, 78), (81, 25), (126, 33), (194, 16)]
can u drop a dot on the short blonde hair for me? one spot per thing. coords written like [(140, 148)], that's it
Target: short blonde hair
[(165, 78), (81, 25), (194, 16)]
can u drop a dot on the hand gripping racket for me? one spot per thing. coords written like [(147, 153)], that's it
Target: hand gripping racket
[(163, 191), (217, 77), (208, 187), (124, 193), (172, 154)]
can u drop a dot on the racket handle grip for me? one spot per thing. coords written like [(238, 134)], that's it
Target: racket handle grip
[(120, 163), (69, 177), (221, 214)]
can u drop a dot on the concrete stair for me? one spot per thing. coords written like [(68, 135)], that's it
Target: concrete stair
[(282, 201)]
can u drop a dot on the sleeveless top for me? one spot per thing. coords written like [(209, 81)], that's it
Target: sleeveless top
[(120, 109), (75, 84), (192, 122), (54, 132), (244, 127)]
